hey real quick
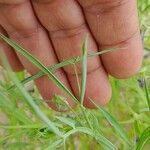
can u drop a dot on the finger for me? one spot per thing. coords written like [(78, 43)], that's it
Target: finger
[(10, 53), (65, 23), (25, 30), (12, 1), (114, 23)]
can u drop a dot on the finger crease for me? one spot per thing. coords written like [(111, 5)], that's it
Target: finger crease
[(63, 33), (133, 35), (24, 34), (101, 8)]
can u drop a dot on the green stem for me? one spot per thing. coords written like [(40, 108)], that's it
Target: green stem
[(85, 116), (147, 93)]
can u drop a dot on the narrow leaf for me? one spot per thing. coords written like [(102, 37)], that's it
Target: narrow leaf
[(114, 123), (67, 121), (143, 139), (38, 64), (147, 93), (28, 98), (99, 138), (62, 64), (84, 70)]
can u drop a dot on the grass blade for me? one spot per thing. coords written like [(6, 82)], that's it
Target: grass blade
[(6, 104), (84, 70), (62, 64), (34, 126), (99, 138), (114, 123), (143, 139), (28, 98), (55, 145), (39, 65), (147, 92), (67, 121)]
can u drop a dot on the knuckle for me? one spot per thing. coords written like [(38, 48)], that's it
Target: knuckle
[(25, 33), (43, 1), (69, 31), (55, 16)]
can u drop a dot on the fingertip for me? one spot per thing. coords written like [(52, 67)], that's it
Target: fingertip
[(126, 61), (128, 72), (101, 98)]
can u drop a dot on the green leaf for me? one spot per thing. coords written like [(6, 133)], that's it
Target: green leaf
[(143, 139), (114, 123), (28, 98), (84, 70), (147, 92), (54, 145), (38, 64), (98, 137), (67, 121), (62, 64), (8, 106)]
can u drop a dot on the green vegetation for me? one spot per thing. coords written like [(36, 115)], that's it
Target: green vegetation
[(29, 124)]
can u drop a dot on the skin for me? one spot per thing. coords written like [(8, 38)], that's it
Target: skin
[(53, 30)]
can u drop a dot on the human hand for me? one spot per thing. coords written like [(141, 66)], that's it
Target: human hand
[(53, 30)]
